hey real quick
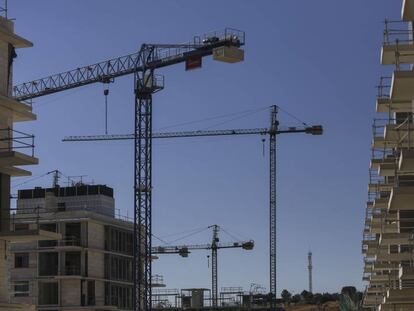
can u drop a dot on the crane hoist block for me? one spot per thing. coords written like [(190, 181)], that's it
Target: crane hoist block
[(228, 54)]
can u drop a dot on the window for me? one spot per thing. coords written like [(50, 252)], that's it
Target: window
[(21, 289), (48, 227), (48, 264), (118, 268), (118, 295), (21, 227), (21, 260), (117, 240), (91, 293), (72, 263), (73, 234), (61, 206), (48, 293)]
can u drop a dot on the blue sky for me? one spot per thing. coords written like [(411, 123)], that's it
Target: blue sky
[(317, 59)]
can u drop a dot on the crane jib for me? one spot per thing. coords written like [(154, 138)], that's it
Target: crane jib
[(107, 70)]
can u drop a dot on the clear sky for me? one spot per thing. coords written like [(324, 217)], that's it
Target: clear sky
[(317, 59)]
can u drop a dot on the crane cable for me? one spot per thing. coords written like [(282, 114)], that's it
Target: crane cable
[(188, 235), (106, 93)]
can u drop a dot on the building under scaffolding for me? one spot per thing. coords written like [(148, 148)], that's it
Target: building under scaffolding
[(388, 240)]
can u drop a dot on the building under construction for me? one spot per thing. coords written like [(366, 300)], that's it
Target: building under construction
[(389, 224), (89, 267), (65, 247)]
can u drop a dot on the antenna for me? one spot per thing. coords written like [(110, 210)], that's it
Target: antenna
[(56, 176), (310, 271), (71, 180)]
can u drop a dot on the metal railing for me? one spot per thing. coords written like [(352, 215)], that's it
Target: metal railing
[(157, 279), (384, 87), (397, 31), (3, 9), (13, 140)]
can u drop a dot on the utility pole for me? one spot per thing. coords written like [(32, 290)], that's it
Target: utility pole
[(310, 271)]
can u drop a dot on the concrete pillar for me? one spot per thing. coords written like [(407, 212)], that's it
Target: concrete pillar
[(4, 272), (4, 203)]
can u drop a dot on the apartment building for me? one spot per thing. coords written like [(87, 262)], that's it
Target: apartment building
[(388, 240), (90, 267), (16, 150)]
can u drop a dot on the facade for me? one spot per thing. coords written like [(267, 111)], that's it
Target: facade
[(90, 267), (388, 241), (16, 149)]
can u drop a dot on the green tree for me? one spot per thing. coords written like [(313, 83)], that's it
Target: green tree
[(295, 298), (286, 296)]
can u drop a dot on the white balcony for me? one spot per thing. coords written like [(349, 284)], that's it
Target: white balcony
[(394, 257), (394, 238), (406, 161), (16, 149), (370, 248), (407, 11), (29, 236), (385, 105), (400, 296), (372, 299), (382, 278), (17, 111), (15, 158), (376, 290), (406, 273), (383, 228), (401, 198), (381, 203), (385, 266), (392, 54), (7, 35), (380, 187), (402, 85), (395, 307)]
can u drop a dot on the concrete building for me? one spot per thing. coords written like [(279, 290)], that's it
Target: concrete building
[(90, 268), (16, 149), (388, 240)]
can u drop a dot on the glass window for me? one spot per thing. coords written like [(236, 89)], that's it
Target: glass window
[(21, 260), (21, 289), (48, 293)]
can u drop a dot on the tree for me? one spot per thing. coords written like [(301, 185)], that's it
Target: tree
[(307, 297), (286, 296), (295, 298)]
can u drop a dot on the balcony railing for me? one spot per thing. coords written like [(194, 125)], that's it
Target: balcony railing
[(397, 31), (13, 140), (383, 88)]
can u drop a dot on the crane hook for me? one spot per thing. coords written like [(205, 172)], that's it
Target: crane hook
[(106, 92), (263, 146)]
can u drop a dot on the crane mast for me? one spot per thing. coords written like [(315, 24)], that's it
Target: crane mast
[(214, 246), (143, 65), (272, 203), (273, 130), (214, 267)]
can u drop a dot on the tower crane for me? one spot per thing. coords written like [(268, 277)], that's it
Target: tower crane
[(272, 131), (214, 246), (224, 46)]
